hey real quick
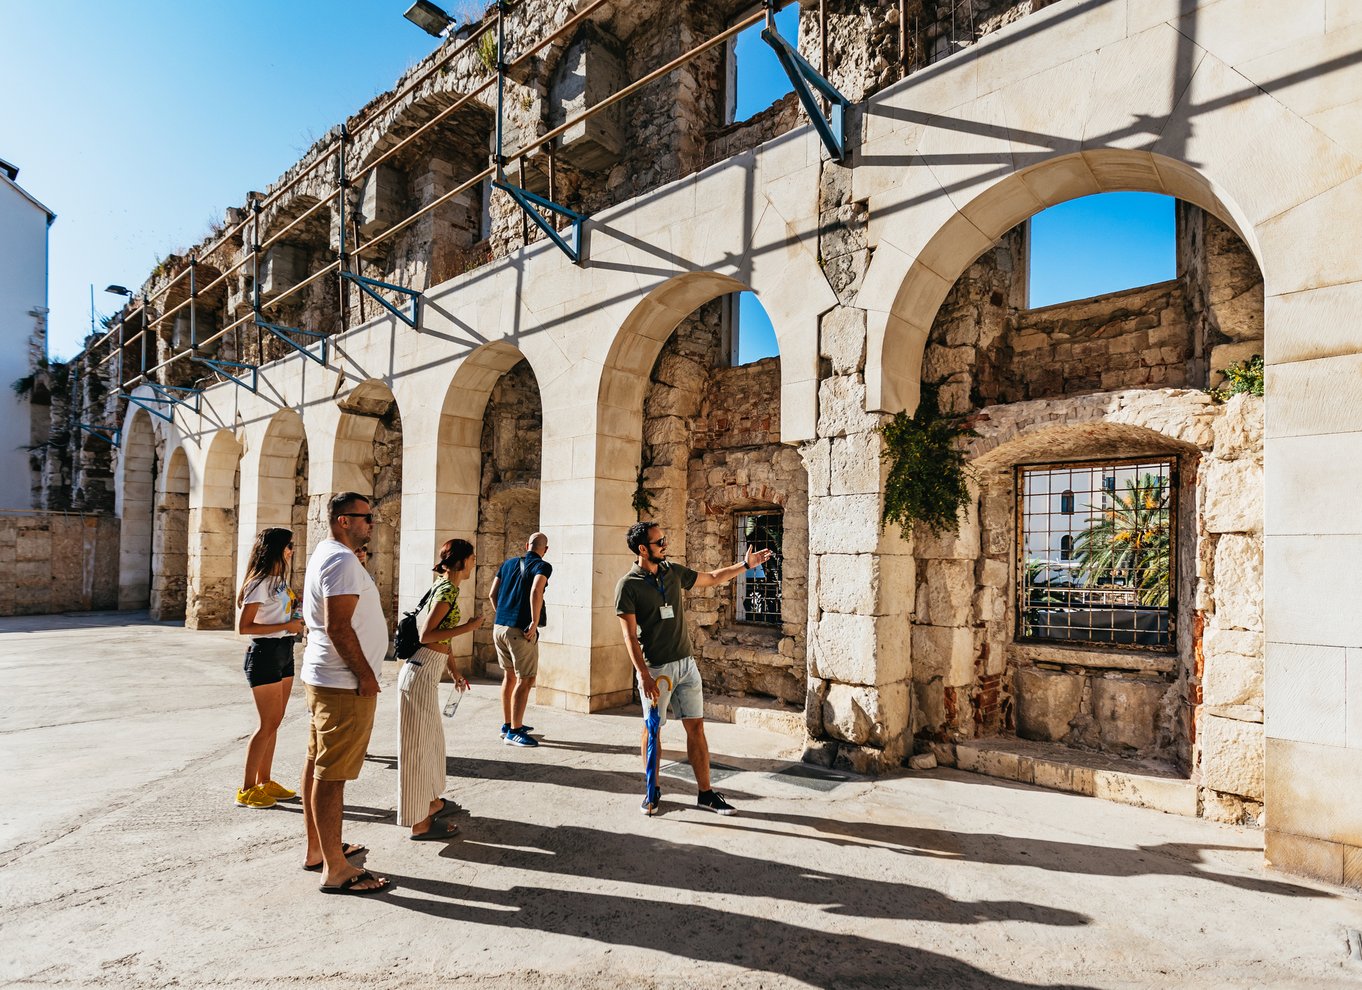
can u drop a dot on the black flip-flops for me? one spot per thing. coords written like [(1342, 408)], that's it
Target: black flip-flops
[(439, 831), (349, 849), (351, 886)]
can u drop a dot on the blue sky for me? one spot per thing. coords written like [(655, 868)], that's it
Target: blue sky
[(138, 123), (1098, 244)]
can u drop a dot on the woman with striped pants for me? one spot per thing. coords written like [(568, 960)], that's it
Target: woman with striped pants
[(421, 735)]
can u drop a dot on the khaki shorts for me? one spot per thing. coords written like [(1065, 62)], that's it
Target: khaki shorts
[(515, 652), (338, 732)]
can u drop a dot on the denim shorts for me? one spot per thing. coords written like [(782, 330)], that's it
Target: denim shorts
[(678, 684), (268, 660)]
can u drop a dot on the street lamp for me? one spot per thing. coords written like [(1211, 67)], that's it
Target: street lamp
[(119, 290), (429, 18)]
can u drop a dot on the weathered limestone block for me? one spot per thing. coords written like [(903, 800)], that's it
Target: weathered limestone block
[(1234, 668), (1047, 701), (842, 339), (817, 458), (853, 583), (283, 267), (945, 592), (1232, 756), (844, 524), (856, 465), (380, 203), (945, 653), (1239, 583), (861, 649), (962, 544), (1238, 430), (841, 407), (1232, 493), (866, 715), (1127, 711)]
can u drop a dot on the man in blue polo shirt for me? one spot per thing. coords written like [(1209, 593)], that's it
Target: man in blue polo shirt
[(518, 596)]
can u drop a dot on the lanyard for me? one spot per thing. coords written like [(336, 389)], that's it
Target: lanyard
[(656, 579)]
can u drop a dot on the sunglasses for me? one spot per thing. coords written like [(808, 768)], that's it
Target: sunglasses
[(289, 547), (658, 543), (366, 516)]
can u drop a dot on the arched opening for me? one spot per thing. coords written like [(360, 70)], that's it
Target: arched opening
[(508, 503), (1104, 592), (213, 537), (170, 547), (712, 471), (136, 501), (282, 499), (368, 460)]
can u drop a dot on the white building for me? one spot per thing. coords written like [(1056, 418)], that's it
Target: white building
[(23, 326)]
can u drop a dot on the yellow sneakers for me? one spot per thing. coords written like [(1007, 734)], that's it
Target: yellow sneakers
[(254, 797), (278, 791)]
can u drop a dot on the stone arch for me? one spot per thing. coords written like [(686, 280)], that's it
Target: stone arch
[(170, 546), (213, 536), (136, 505), (282, 498), (904, 291), (461, 464), (703, 441), (367, 458)]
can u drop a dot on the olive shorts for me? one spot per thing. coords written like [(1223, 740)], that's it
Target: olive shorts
[(338, 732)]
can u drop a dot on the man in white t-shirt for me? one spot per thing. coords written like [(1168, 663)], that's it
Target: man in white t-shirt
[(347, 639)]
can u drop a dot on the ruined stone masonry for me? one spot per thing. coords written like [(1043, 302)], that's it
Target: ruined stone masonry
[(535, 393)]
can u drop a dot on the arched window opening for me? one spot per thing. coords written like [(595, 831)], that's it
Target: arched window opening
[(753, 77)]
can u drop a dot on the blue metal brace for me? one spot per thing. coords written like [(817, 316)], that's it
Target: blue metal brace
[(527, 201), (221, 368), (110, 435), (283, 334), (146, 404), (367, 286), (832, 129), (175, 393)]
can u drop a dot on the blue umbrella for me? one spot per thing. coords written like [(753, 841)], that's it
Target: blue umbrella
[(652, 721)]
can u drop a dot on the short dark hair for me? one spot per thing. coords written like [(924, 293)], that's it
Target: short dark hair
[(638, 534), (343, 501)]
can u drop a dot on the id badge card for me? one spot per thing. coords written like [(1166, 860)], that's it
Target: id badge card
[(667, 612)]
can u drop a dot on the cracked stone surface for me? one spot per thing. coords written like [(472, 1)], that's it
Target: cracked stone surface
[(124, 863)]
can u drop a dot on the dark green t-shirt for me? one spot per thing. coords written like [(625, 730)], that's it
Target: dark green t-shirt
[(637, 594)]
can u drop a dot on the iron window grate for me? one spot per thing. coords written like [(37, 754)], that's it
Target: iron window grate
[(1097, 552), (757, 597)]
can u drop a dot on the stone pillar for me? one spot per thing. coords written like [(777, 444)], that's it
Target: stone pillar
[(170, 557), (861, 579), (212, 569)]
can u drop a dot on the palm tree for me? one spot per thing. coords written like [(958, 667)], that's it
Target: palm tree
[(1129, 541)]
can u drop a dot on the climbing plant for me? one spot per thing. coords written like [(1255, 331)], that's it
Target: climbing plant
[(928, 476)]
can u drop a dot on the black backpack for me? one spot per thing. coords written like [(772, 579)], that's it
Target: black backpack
[(408, 638)]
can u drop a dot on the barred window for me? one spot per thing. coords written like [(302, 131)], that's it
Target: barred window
[(757, 596), (1097, 553)]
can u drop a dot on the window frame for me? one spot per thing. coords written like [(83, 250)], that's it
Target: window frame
[(740, 541), (1099, 466)]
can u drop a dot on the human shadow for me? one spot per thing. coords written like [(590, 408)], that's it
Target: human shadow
[(575, 851), (814, 957), (1164, 859), (605, 781)]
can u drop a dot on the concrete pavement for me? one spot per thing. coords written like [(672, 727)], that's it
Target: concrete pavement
[(124, 862)]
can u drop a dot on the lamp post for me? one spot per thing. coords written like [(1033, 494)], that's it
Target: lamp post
[(122, 290)]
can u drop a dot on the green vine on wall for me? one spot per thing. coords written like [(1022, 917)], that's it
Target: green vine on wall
[(487, 50), (1241, 378), (928, 473)]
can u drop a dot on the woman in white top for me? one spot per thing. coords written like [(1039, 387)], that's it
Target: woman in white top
[(268, 616), (420, 734)]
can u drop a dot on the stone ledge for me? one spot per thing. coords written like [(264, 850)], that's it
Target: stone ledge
[(1143, 783), (756, 713)]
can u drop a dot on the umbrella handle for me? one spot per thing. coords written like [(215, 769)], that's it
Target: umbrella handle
[(652, 702)]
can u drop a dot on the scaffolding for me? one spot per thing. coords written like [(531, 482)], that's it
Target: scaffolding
[(810, 85)]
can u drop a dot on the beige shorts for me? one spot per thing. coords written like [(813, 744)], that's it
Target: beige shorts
[(515, 652), (338, 731)]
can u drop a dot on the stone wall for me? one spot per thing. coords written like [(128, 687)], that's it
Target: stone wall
[(60, 563), (385, 543), (508, 503), (711, 451)]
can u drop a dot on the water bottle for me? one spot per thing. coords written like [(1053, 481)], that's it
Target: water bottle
[(455, 695)]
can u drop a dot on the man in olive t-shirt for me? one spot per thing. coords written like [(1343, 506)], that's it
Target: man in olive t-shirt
[(649, 603)]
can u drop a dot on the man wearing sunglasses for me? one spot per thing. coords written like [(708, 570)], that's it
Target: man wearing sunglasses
[(651, 610), (346, 643)]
